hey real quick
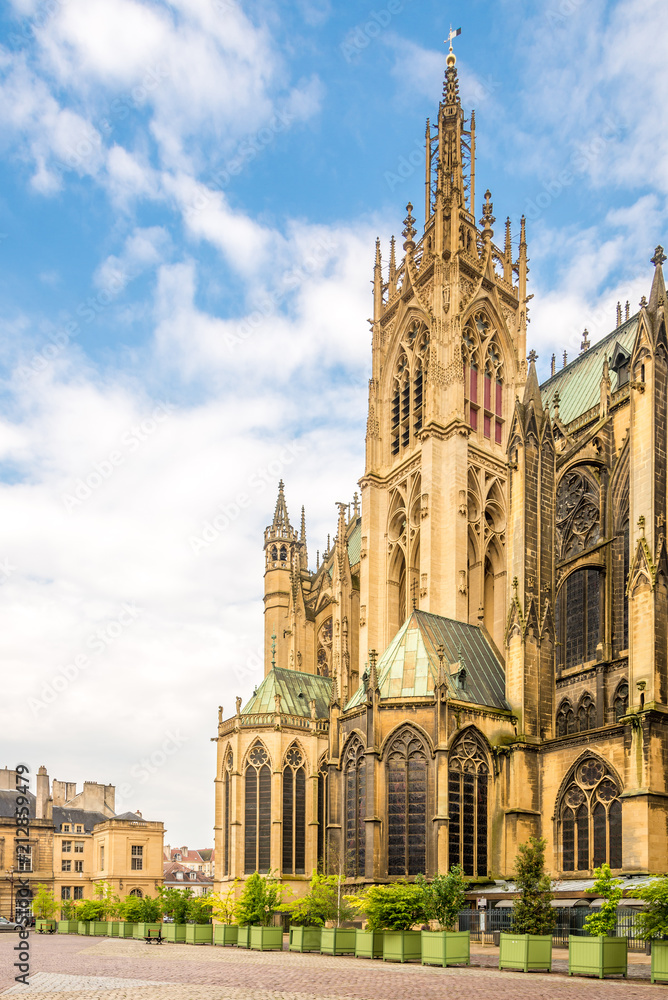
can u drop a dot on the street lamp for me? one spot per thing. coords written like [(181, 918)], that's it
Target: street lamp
[(10, 876)]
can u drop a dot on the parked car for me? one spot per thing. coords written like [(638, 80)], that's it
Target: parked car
[(9, 925)]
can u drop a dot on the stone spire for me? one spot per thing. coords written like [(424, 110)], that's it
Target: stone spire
[(303, 553), (657, 297), (281, 522), (532, 388)]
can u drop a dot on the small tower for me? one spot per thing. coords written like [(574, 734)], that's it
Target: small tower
[(282, 549)]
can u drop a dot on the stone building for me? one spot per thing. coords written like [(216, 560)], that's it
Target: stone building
[(481, 655), (76, 841)]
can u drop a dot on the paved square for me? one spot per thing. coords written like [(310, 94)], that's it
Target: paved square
[(80, 968)]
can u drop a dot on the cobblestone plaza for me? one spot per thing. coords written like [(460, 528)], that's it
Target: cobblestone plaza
[(112, 969)]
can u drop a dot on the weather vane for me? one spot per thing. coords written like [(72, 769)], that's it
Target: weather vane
[(452, 34)]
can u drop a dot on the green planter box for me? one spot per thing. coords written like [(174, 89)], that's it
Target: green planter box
[(175, 933), (125, 929), (113, 927), (525, 951), (266, 938), (659, 973), (446, 948), (402, 946), (83, 927), (338, 941), (243, 936), (199, 933), (369, 944), (225, 934), (68, 926), (141, 930), (597, 956), (304, 939), (98, 928), (44, 926)]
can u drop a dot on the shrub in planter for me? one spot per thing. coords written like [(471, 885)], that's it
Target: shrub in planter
[(44, 908), (395, 909), (199, 929), (601, 954), (324, 903), (223, 906), (653, 924), (529, 945), (174, 904), (91, 914), (261, 896), (444, 897)]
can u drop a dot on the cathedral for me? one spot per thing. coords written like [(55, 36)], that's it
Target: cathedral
[(481, 654)]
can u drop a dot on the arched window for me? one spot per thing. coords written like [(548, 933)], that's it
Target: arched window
[(274, 554), (406, 805), (591, 818), (578, 519), (586, 713), (579, 617), (294, 812), (565, 719), (323, 778), (257, 826), (284, 554), (227, 817), (407, 404), (137, 892), (355, 784), (483, 378), (468, 775), (621, 700)]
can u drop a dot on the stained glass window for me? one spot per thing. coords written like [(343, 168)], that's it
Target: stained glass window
[(294, 812), (580, 617), (355, 783), (586, 713), (468, 776), (591, 818), (565, 719), (406, 805), (621, 703), (257, 813)]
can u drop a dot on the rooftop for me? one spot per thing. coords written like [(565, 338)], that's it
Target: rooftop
[(297, 690)]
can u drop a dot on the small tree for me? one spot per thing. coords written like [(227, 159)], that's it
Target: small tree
[(653, 921), (199, 910), (262, 894), (90, 909), (608, 888), (104, 891), (44, 906), (394, 907), (174, 903), (131, 909), (150, 909), (323, 903), (68, 909), (224, 904), (532, 912), (444, 897)]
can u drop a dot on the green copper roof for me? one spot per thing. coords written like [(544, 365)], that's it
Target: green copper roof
[(579, 383), (296, 689), (355, 543), (409, 666)]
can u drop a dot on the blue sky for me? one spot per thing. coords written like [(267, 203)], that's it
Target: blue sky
[(189, 198)]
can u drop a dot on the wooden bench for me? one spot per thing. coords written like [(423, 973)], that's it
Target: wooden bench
[(153, 936)]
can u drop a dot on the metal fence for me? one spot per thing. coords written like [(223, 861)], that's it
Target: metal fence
[(484, 924)]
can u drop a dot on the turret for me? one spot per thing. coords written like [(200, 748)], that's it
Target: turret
[(282, 548)]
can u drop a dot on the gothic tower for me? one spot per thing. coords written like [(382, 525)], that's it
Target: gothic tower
[(285, 557), (449, 335)]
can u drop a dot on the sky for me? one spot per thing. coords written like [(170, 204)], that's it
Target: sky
[(190, 194)]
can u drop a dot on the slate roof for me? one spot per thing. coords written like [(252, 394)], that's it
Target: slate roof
[(83, 817), (579, 382), (296, 689), (129, 816), (409, 666), (8, 803)]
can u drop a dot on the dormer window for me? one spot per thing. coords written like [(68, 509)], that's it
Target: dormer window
[(621, 364), (179, 875), (66, 828)]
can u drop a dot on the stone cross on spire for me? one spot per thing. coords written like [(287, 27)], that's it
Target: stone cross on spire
[(532, 357), (586, 344), (659, 256)]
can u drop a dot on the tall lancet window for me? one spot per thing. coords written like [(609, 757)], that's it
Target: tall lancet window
[(590, 812), (468, 777), (227, 814), (355, 789), (294, 812), (407, 391), (483, 378), (406, 805), (257, 813)]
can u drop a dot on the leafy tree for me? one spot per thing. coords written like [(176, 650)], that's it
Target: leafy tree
[(394, 907), (532, 913), (324, 902), (224, 904), (44, 906), (199, 910), (174, 903), (150, 909), (68, 910), (262, 894), (104, 891), (131, 909), (608, 888), (444, 897), (653, 921), (90, 909)]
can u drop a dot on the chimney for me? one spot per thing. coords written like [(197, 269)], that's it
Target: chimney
[(42, 794)]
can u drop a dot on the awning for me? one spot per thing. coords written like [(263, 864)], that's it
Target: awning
[(568, 902), (503, 902), (598, 902), (631, 902)]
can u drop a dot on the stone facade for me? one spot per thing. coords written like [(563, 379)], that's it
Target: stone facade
[(490, 624)]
